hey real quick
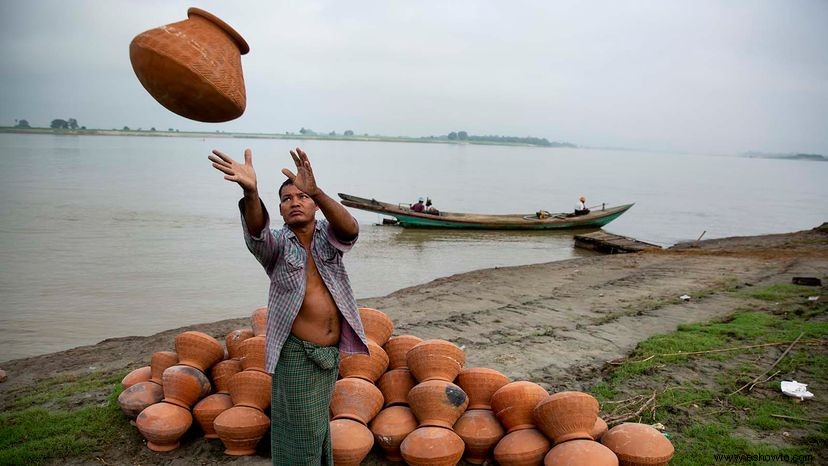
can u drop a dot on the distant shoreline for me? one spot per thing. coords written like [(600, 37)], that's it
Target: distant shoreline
[(222, 134)]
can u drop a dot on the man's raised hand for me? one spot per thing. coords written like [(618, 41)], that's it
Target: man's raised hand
[(303, 179), (243, 174)]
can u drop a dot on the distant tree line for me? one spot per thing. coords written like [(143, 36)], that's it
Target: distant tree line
[(464, 136)]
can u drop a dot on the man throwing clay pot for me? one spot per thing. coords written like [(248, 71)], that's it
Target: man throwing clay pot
[(312, 313)]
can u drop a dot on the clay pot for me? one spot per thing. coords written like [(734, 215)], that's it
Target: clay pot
[(142, 374), (432, 446), (378, 326), (567, 416), (258, 320), (513, 404), (206, 411), (193, 67), (197, 349), (395, 385), (397, 349), (355, 399), (437, 403), (240, 428), (220, 374), (580, 453), (184, 385), (525, 447), (137, 397), (251, 388), (232, 340), (390, 427), (638, 445), (480, 431), (252, 353), (480, 383), (365, 366), (159, 362), (598, 429), (351, 442), (435, 360), (163, 424)]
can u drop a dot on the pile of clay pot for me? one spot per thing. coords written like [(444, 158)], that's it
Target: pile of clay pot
[(231, 404), (416, 400)]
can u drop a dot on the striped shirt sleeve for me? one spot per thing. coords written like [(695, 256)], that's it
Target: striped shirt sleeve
[(264, 246)]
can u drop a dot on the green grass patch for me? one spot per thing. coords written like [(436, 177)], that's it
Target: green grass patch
[(54, 420), (694, 392)]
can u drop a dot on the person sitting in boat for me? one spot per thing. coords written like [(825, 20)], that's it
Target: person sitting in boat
[(430, 209), (419, 206), (582, 208)]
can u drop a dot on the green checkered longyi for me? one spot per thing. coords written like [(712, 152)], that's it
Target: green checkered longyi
[(303, 384)]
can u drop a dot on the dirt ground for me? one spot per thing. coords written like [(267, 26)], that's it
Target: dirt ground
[(556, 324)]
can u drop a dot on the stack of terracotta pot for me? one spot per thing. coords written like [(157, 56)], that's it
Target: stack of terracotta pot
[(356, 399), (241, 427), (428, 420), (163, 394), (184, 384)]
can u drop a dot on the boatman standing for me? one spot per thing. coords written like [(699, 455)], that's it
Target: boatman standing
[(311, 310)]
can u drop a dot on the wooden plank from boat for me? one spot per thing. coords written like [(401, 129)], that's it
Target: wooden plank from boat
[(409, 218)]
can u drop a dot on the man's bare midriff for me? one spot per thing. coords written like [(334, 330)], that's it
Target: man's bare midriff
[(319, 319)]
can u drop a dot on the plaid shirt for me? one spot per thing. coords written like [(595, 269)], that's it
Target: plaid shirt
[(283, 258)]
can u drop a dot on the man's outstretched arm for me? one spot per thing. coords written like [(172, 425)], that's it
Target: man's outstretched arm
[(245, 177)]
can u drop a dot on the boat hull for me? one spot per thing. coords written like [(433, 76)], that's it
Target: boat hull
[(409, 219)]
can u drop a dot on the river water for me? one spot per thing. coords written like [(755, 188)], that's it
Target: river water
[(114, 236)]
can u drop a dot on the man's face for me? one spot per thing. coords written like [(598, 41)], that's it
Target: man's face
[(296, 207)]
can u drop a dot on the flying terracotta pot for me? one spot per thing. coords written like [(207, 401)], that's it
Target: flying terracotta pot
[(193, 67)]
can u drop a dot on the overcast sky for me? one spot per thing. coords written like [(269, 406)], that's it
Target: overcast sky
[(694, 76)]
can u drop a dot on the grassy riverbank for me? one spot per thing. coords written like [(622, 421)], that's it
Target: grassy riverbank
[(615, 334)]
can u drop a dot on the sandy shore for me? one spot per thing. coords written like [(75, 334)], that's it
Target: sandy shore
[(556, 324)]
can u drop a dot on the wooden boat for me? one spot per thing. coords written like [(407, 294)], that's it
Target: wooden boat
[(537, 221)]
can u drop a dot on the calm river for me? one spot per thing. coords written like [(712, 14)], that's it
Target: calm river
[(114, 236)]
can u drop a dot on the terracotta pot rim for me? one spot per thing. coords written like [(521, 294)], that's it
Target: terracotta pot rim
[(237, 38)]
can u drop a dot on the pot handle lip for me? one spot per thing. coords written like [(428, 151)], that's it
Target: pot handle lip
[(240, 42)]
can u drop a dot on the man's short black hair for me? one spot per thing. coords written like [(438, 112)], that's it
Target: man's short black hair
[(285, 183)]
